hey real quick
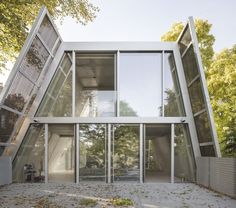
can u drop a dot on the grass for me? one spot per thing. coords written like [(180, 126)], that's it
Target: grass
[(88, 202), (124, 202)]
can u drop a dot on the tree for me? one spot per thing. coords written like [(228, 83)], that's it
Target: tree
[(16, 16), (222, 88), (205, 39)]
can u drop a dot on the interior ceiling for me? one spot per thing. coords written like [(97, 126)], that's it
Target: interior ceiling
[(95, 70)]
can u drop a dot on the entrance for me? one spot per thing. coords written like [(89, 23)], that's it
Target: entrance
[(157, 151)]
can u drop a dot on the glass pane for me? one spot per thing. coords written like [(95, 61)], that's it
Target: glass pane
[(58, 99), (28, 165), (95, 87), (34, 60), (18, 93), (66, 63), (190, 65), (62, 106), (185, 40), (140, 81), (157, 153), (125, 153), (93, 152), (172, 105), (184, 160), (45, 106), (8, 120), (208, 151), (203, 128), (196, 96), (48, 33), (61, 153)]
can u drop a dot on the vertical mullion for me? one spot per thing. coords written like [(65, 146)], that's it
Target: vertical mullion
[(46, 152), (117, 83), (109, 153), (141, 152), (162, 83), (172, 152), (77, 153), (73, 83)]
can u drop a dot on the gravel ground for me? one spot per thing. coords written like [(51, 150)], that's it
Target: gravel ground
[(160, 195)]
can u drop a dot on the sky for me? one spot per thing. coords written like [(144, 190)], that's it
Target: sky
[(148, 20)]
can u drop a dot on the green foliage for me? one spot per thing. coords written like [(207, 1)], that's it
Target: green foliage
[(88, 202), (126, 110), (222, 89), (205, 39), (17, 15), (124, 202)]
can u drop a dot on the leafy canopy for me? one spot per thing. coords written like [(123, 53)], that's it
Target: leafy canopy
[(17, 15)]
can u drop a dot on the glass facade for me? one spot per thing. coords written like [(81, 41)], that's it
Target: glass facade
[(109, 115)]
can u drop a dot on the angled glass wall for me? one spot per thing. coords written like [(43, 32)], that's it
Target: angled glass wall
[(196, 92), (26, 78), (57, 101), (29, 163), (95, 85)]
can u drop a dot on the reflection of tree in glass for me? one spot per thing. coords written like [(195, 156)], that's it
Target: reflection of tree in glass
[(8, 120), (126, 147), (171, 107), (92, 145), (15, 101), (180, 140), (126, 110)]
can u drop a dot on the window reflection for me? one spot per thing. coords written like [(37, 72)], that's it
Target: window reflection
[(95, 87), (140, 81), (48, 33), (28, 165), (34, 60), (185, 40), (8, 120)]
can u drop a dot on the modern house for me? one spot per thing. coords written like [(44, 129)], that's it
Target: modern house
[(106, 111)]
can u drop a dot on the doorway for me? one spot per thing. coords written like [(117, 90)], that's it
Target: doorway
[(157, 153)]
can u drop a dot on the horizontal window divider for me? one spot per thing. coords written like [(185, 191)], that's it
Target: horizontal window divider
[(206, 144), (6, 144), (62, 71), (51, 96), (27, 77), (199, 112), (186, 50), (45, 45), (193, 80), (121, 120), (55, 45), (11, 110)]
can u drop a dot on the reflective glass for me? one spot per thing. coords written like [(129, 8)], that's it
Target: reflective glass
[(184, 160), (66, 63), (61, 153), (125, 153), (19, 93), (190, 65), (140, 84), (95, 87), (8, 120), (62, 106), (93, 152), (185, 40), (203, 128), (45, 107), (34, 60), (196, 96), (157, 160), (56, 83), (208, 151), (47, 32), (172, 105), (28, 165)]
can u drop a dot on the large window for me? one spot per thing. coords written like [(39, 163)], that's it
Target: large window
[(140, 84), (95, 85)]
